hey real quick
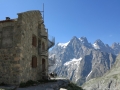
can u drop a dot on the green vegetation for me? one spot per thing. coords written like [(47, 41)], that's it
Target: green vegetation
[(115, 76), (32, 83), (72, 86), (46, 81), (28, 83)]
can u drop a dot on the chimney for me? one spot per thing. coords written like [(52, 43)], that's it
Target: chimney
[(7, 18)]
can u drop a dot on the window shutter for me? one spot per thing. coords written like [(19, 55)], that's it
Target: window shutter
[(34, 41), (34, 62)]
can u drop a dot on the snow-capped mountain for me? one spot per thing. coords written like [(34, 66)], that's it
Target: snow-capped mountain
[(98, 44), (63, 45), (85, 42), (73, 61), (80, 60)]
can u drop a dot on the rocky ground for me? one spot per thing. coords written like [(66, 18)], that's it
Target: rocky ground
[(46, 86)]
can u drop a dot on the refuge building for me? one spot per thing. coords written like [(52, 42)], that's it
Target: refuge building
[(24, 45)]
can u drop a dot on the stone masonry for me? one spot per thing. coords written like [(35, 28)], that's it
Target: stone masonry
[(16, 49)]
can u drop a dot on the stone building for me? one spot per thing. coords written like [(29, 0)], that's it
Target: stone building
[(24, 44)]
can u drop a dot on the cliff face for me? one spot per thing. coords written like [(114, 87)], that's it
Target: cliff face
[(110, 80)]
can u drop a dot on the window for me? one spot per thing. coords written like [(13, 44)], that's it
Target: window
[(6, 37), (34, 40), (43, 46), (34, 62)]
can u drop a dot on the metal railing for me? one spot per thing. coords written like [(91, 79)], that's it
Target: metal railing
[(42, 53), (51, 41), (44, 74), (43, 34)]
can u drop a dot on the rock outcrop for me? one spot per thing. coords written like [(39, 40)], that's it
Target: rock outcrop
[(110, 80)]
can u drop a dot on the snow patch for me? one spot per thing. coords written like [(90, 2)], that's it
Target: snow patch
[(52, 56), (96, 46), (80, 39), (73, 61), (88, 74), (63, 44)]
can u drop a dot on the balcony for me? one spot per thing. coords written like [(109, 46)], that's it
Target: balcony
[(51, 41), (42, 53)]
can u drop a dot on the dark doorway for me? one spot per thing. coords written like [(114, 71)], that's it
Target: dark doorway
[(43, 46), (43, 68), (43, 65)]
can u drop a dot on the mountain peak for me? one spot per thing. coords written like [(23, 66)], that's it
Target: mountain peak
[(107, 45), (98, 44), (115, 45), (83, 40), (74, 37), (98, 41), (64, 45)]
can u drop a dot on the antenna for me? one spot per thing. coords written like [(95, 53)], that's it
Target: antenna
[(43, 12)]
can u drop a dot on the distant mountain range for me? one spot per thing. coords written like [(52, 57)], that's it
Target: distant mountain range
[(80, 61)]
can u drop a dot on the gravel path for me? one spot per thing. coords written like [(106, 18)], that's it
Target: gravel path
[(47, 86)]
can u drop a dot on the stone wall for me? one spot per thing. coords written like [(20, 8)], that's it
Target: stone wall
[(29, 26), (9, 53)]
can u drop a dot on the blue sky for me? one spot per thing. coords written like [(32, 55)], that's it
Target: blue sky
[(94, 19)]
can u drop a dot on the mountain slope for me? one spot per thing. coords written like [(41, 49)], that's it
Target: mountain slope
[(110, 80), (93, 65)]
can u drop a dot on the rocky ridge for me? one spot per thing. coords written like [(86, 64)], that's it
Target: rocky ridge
[(110, 80)]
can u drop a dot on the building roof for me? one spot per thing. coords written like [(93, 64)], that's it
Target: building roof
[(11, 20)]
